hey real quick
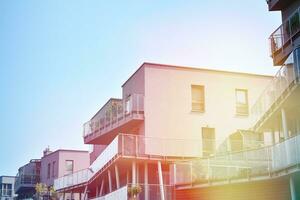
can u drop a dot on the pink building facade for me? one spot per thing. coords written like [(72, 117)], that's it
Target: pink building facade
[(61, 163), (167, 114)]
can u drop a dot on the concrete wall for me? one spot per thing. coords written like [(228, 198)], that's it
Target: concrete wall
[(81, 161), (263, 190), (167, 103)]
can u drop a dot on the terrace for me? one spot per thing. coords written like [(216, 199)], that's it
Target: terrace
[(114, 117), (281, 40), (262, 163)]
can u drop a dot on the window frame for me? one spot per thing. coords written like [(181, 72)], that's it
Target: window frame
[(212, 144), (67, 172), (200, 103), (241, 109), (48, 170)]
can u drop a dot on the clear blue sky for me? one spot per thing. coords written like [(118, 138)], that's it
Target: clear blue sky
[(61, 60)]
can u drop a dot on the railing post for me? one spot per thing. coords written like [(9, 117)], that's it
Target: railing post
[(136, 146), (122, 143)]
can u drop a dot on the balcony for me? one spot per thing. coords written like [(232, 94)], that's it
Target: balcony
[(141, 147), (263, 163), (115, 117), (285, 80), (281, 40), (275, 5), (152, 191), (75, 179), (26, 181)]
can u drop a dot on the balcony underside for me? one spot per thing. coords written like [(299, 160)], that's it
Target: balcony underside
[(25, 188), (106, 137), (276, 5), (289, 98)]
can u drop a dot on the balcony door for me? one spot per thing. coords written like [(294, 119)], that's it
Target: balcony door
[(208, 141)]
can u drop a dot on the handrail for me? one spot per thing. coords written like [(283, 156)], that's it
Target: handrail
[(262, 162), (114, 114), (283, 33), (276, 87)]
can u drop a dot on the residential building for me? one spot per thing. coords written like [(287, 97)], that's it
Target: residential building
[(7, 185), (28, 176), (60, 163), (166, 114), (270, 172)]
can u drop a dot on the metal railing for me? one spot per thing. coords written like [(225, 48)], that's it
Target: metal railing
[(76, 178), (275, 89), (263, 162), (285, 32), (114, 115), (26, 180)]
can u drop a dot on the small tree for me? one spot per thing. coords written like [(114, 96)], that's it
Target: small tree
[(53, 193), (40, 189)]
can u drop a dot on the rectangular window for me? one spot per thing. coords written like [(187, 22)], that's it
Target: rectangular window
[(208, 141), (53, 169), (241, 98), (69, 166), (6, 190), (48, 170), (198, 98)]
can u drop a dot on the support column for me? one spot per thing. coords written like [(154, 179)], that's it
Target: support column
[(137, 174), (292, 189), (117, 176), (284, 124), (146, 181), (273, 136), (134, 172), (285, 133), (80, 196), (101, 188), (161, 183), (97, 191), (109, 181)]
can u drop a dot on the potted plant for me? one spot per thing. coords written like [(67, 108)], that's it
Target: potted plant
[(133, 191)]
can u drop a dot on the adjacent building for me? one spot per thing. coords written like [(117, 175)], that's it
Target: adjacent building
[(7, 186), (52, 165), (166, 114), (28, 176)]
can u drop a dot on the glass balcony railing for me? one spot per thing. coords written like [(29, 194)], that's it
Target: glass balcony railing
[(281, 82), (146, 192), (284, 33), (262, 162), (115, 114), (76, 178)]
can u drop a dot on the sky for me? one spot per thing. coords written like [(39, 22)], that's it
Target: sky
[(60, 61)]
